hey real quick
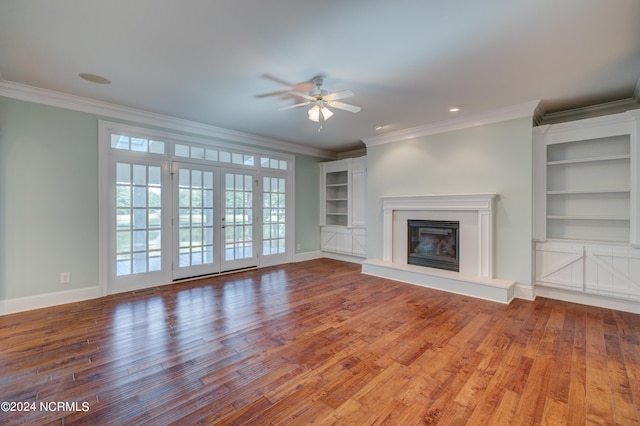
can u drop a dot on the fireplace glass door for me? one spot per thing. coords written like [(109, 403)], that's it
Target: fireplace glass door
[(434, 244)]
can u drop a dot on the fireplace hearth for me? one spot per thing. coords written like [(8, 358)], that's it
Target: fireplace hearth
[(434, 244)]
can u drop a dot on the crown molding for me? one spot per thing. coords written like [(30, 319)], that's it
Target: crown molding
[(538, 114), (27, 93), (614, 123), (354, 153), (607, 108), (527, 109)]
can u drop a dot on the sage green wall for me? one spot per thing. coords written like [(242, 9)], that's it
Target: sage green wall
[(489, 158), (307, 204), (49, 199)]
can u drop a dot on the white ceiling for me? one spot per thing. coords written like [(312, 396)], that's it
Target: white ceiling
[(219, 62)]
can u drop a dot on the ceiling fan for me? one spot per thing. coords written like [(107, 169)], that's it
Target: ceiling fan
[(321, 99), (303, 86)]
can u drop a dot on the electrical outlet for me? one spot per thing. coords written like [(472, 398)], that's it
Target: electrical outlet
[(65, 277)]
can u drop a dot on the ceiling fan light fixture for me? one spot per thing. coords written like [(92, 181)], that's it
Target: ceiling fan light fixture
[(315, 111), (326, 113)]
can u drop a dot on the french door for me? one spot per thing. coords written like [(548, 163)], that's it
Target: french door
[(195, 213), (173, 208), (239, 220), (213, 220)]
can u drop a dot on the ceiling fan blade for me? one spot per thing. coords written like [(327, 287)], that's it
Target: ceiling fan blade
[(346, 107), (277, 80), (278, 93), (302, 95), (294, 106), (339, 95)]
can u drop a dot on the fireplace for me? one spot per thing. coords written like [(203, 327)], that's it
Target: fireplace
[(475, 215), (433, 243)]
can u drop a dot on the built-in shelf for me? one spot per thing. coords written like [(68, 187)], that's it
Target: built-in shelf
[(588, 217), (590, 160), (589, 191)]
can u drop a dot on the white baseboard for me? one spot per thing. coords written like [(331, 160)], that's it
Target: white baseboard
[(343, 257), (525, 292), (625, 305), (310, 255), (21, 304)]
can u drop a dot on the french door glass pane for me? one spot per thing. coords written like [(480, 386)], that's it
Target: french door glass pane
[(138, 218), (238, 216), (195, 208), (273, 215)]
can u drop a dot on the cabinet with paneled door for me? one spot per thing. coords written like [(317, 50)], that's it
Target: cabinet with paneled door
[(342, 206)]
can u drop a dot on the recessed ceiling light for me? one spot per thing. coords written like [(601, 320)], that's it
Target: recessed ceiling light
[(94, 78), (454, 109)]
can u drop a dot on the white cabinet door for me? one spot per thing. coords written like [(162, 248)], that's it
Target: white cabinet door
[(328, 239), (344, 239), (336, 239), (560, 265), (359, 242), (612, 271)]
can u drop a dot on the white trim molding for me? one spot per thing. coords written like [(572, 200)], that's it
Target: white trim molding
[(23, 92), (27, 303), (309, 255), (527, 109), (591, 111)]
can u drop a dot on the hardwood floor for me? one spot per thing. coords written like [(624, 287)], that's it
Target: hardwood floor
[(318, 343)]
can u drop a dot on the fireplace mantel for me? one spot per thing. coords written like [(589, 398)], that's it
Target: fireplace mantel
[(475, 277), (481, 204)]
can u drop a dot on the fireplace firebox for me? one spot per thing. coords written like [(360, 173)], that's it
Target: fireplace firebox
[(434, 243)]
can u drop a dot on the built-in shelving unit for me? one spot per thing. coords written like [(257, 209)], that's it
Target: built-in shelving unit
[(337, 198), (588, 189), (342, 192), (587, 208)]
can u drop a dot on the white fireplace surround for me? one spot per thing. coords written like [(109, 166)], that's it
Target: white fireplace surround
[(475, 212)]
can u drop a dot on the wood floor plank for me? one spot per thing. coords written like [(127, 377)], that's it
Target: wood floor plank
[(554, 413), (506, 410), (630, 345), (625, 412), (318, 342)]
